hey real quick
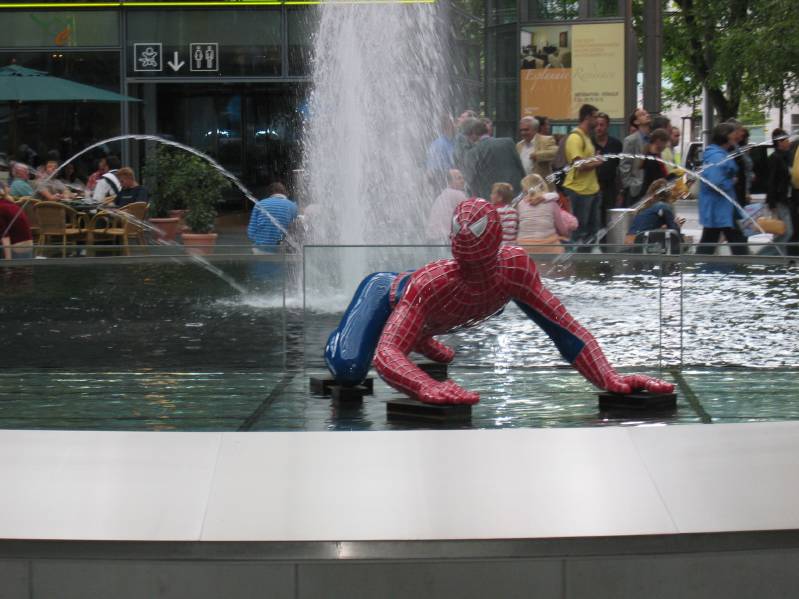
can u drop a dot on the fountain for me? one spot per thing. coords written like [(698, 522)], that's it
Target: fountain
[(380, 88), (121, 345)]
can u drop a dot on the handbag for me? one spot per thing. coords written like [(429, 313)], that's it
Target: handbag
[(771, 225)]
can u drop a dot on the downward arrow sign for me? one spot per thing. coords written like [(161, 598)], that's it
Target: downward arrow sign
[(175, 64)]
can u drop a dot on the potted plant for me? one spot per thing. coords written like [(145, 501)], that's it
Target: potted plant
[(183, 182), (201, 206), (159, 176)]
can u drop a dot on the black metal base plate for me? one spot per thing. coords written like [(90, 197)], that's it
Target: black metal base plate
[(640, 401), (341, 393), (436, 370), (410, 409), (324, 386)]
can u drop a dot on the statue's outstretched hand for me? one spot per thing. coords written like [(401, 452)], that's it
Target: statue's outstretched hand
[(447, 392), (617, 383)]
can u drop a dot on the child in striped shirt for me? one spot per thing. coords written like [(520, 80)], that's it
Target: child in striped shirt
[(501, 197)]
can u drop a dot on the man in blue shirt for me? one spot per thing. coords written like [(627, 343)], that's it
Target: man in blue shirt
[(271, 218), (440, 153), (20, 187)]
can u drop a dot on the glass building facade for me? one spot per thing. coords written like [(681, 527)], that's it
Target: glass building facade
[(231, 81), (228, 81)]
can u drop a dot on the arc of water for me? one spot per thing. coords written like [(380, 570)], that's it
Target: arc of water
[(747, 148), (224, 172), (150, 227), (194, 257), (550, 178), (705, 180)]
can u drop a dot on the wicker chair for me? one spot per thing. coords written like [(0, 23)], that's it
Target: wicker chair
[(57, 220), (28, 205), (112, 225)]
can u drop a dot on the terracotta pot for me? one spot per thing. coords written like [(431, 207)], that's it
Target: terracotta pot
[(199, 244), (181, 214), (168, 228)]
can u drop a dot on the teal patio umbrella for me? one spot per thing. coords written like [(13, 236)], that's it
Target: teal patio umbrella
[(19, 84)]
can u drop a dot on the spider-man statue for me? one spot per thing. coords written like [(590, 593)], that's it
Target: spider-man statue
[(393, 314)]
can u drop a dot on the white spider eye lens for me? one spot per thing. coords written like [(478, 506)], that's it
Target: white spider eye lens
[(456, 226), (480, 226)]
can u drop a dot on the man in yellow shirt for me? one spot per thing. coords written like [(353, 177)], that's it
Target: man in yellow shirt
[(581, 184)]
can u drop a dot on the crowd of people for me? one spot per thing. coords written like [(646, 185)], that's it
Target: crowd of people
[(552, 191), (110, 186), (559, 189)]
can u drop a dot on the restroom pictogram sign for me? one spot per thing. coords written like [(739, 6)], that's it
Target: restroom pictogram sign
[(204, 56)]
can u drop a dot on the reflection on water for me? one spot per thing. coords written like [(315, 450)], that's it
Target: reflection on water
[(643, 317), (167, 346)]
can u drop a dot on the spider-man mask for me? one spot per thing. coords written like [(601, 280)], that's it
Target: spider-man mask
[(476, 232)]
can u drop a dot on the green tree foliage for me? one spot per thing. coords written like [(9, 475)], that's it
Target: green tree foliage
[(740, 49)]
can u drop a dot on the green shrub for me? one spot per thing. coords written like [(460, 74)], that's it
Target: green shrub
[(181, 181)]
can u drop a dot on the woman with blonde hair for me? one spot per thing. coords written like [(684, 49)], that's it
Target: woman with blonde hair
[(655, 212), (542, 222)]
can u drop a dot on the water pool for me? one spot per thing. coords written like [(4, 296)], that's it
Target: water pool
[(253, 400), (113, 344)]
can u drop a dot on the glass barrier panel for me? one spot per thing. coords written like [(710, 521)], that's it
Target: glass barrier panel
[(160, 310)]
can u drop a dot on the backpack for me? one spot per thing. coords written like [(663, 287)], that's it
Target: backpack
[(559, 161)]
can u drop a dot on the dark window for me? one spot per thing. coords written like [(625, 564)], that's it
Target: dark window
[(301, 27), (467, 45), (605, 8), (503, 102), (248, 41), (253, 130), (557, 9), (61, 29), (501, 12), (64, 126), (503, 53)]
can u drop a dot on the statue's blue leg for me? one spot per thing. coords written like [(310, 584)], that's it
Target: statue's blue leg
[(351, 347)]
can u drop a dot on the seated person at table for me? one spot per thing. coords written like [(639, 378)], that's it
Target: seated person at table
[(656, 212), (91, 182), (50, 188), (69, 176), (108, 184), (130, 191), (18, 242), (20, 187)]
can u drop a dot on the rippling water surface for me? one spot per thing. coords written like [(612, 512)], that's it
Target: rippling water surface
[(167, 346)]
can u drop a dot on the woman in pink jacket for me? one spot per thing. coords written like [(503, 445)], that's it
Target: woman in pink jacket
[(542, 222)]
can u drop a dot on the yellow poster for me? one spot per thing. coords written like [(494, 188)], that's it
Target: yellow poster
[(566, 66), (546, 92), (598, 68)]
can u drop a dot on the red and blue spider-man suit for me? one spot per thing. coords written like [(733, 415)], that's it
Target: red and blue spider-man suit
[(394, 314)]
